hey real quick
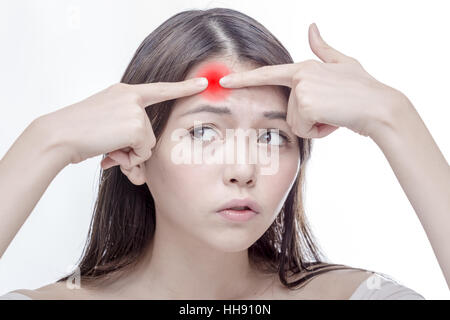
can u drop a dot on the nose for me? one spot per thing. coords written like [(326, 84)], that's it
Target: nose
[(242, 175), (241, 171)]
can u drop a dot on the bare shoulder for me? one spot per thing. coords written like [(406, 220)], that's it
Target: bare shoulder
[(331, 285)]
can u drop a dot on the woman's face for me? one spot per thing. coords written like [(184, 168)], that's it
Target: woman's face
[(188, 195)]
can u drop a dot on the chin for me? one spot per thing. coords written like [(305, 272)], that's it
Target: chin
[(231, 244)]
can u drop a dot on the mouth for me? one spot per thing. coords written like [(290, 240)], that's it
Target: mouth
[(239, 209), (241, 206)]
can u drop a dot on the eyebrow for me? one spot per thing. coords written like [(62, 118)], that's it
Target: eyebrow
[(223, 110)]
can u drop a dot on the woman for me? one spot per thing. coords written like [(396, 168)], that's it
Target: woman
[(158, 229)]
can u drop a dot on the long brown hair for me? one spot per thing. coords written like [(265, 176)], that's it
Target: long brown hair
[(123, 222)]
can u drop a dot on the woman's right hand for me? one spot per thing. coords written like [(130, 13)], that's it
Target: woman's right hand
[(114, 121)]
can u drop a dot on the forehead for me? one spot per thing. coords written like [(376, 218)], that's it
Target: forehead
[(266, 97)]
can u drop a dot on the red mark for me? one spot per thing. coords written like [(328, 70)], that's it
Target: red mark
[(214, 72)]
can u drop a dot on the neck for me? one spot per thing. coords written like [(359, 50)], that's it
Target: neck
[(178, 266)]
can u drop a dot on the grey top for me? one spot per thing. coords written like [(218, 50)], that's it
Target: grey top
[(14, 296), (376, 287), (380, 286)]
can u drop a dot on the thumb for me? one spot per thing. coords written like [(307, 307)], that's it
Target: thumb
[(321, 49)]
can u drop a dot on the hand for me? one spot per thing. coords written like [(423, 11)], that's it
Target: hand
[(325, 96), (114, 120)]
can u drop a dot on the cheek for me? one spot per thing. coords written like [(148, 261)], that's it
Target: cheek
[(188, 181), (178, 186), (277, 186)]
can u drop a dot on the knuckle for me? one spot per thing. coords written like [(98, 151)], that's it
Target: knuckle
[(309, 113), (135, 98), (300, 88), (303, 100), (118, 89), (145, 152), (136, 132), (141, 156), (354, 60), (138, 115), (303, 67), (297, 78), (311, 62), (138, 124), (134, 162), (148, 152), (162, 88), (76, 158), (307, 63), (120, 86)]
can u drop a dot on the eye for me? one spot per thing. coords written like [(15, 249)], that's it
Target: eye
[(274, 135), (202, 131)]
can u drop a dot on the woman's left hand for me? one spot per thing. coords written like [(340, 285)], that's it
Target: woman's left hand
[(326, 96)]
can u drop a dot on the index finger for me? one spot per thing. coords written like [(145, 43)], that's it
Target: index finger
[(280, 74), (155, 92)]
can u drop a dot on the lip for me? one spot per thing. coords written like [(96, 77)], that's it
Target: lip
[(237, 215), (254, 206)]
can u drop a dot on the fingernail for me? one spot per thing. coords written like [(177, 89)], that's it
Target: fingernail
[(316, 29), (224, 81), (202, 82)]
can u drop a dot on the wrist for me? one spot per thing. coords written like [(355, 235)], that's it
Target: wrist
[(397, 112), (50, 140)]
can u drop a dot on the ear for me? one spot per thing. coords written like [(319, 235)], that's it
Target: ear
[(136, 174)]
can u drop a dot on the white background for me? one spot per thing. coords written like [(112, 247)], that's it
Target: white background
[(55, 53)]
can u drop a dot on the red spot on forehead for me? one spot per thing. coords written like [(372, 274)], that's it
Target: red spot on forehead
[(214, 72)]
